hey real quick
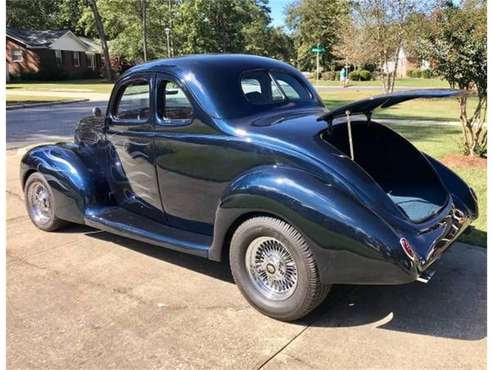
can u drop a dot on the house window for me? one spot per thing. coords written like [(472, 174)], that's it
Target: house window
[(90, 61), (58, 56), (16, 56), (76, 60)]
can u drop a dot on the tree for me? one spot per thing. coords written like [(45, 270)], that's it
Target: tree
[(102, 37), (316, 22), (43, 15), (385, 23), (352, 46), (205, 26), (455, 43), (125, 26)]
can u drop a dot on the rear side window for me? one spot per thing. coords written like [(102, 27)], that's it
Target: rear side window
[(174, 104), (134, 102), (262, 87)]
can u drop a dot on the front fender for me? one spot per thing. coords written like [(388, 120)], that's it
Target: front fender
[(351, 243), (71, 180)]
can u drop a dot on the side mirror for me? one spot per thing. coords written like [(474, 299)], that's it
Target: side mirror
[(96, 112)]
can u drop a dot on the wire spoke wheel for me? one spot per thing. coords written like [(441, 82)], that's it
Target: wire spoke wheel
[(272, 268), (40, 205)]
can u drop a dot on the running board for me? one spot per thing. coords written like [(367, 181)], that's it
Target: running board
[(122, 222)]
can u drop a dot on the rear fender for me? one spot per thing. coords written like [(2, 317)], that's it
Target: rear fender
[(460, 191), (351, 244), (72, 181)]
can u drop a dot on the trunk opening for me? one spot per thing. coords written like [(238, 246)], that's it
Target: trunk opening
[(395, 164)]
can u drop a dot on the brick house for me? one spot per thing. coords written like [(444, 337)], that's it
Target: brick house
[(404, 64), (51, 54)]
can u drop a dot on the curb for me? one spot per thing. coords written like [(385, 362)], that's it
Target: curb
[(25, 106)]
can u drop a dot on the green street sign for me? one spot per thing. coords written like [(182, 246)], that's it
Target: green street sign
[(318, 50)]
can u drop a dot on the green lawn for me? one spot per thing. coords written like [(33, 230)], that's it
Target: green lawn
[(32, 99), (439, 141), (91, 86), (424, 109), (405, 82)]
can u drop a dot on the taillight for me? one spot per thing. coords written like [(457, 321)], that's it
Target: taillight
[(407, 249)]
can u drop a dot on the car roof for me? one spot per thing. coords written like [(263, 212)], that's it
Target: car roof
[(214, 80), (245, 61)]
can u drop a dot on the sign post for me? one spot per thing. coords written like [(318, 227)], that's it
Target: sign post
[(318, 50)]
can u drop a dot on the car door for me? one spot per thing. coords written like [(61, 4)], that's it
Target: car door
[(130, 129), (185, 158)]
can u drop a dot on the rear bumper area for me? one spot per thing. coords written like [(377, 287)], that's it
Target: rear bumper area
[(431, 243)]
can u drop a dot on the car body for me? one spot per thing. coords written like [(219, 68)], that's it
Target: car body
[(192, 149)]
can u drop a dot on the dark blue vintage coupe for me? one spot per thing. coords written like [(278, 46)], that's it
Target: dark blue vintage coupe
[(236, 155)]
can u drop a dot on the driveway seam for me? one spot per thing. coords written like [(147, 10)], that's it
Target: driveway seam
[(15, 195), (284, 347)]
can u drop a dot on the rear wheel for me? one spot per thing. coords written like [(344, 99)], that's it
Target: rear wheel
[(40, 203), (275, 270)]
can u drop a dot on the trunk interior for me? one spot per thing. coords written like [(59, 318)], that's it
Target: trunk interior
[(398, 167)]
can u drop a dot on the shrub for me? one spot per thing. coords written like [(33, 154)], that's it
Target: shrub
[(330, 75), (364, 75), (354, 76), (427, 73), (416, 73)]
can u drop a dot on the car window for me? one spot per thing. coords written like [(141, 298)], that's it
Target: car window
[(262, 87), (134, 102), (291, 86), (174, 102)]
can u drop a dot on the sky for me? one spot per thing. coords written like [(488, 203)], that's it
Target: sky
[(277, 11)]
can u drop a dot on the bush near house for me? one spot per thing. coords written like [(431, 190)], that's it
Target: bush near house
[(360, 75), (365, 75), (330, 76), (54, 73), (418, 73)]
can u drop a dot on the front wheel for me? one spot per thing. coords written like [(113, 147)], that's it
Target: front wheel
[(40, 203), (275, 270)]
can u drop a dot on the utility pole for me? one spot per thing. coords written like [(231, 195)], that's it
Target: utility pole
[(167, 41), (144, 27)]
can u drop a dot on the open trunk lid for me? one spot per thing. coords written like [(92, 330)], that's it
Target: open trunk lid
[(367, 106)]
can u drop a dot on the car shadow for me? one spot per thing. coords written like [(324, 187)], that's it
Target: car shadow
[(451, 305), (204, 266)]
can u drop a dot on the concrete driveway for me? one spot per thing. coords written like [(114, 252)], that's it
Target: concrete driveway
[(88, 299)]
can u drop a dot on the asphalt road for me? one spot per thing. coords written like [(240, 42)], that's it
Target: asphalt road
[(81, 298), (46, 124)]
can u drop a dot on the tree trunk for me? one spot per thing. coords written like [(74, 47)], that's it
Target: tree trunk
[(102, 37), (394, 73), (144, 27)]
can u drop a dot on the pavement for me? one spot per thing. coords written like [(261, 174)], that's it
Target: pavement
[(44, 124), (63, 93), (82, 298)]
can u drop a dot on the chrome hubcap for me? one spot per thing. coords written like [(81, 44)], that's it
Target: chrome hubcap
[(39, 203), (271, 268)]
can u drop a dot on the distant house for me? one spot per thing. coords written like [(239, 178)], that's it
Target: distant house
[(404, 64), (51, 54)]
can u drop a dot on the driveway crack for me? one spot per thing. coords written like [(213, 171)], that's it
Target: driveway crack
[(15, 195), (263, 364)]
